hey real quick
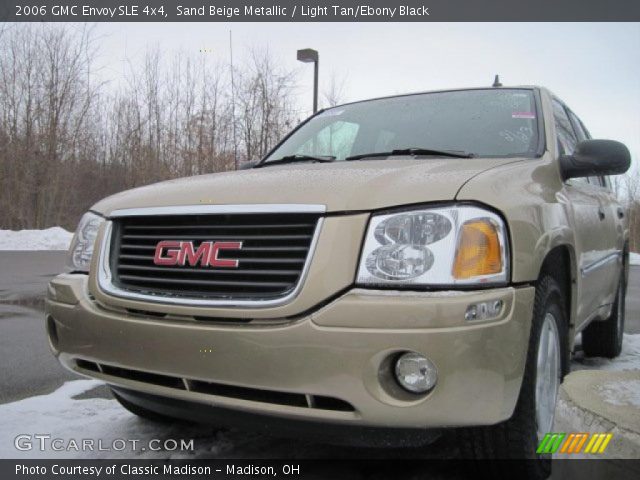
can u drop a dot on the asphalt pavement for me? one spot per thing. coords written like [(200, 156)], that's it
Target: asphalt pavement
[(24, 275), (632, 313), (28, 367)]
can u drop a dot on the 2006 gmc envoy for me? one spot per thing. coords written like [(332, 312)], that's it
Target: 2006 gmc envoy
[(403, 264)]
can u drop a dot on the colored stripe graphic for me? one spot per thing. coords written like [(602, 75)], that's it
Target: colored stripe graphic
[(567, 443), (581, 442), (572, 443), (605, 443), (575, 445), (550, 443), (591, 442), (598, 443), (543, 443)]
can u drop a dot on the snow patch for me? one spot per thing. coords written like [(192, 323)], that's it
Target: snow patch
[(54, 238), (621, 393), (629, 358), (61, 416), (634, 258), (104, 421)]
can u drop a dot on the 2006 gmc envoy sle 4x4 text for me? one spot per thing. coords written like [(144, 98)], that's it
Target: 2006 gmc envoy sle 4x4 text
[(403, 264)]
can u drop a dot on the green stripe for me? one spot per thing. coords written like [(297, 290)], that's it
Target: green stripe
[(549, 445), (556, 446), (543, 443)]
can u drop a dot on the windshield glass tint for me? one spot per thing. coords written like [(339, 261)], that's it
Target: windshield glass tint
[(492, 123)]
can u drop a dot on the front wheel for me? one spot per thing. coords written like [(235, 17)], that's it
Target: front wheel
[(547, 361)]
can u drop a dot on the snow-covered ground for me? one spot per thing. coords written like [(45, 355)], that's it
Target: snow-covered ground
[(67, 414), (60, 415), (54, 238), (619, 392), (67, 417), (634, 258)]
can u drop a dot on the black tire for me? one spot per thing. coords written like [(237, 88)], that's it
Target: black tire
[(604, 338), (517, 438), (145, 412)]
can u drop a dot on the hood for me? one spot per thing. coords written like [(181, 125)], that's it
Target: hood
[(340, 186)]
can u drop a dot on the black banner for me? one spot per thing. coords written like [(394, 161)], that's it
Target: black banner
[(319, 11), (334, 469)]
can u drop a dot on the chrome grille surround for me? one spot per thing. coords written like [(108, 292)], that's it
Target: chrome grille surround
[(105, 277)]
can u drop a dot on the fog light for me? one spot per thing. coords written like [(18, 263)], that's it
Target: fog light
[(483, 310), (415, 372)]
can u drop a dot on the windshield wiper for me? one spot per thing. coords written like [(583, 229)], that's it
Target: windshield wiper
[(297, 158), (414, 152)]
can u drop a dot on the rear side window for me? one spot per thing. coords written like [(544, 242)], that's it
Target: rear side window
[(582, 134), (566, 136)]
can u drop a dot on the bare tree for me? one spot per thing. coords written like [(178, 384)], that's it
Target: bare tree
[(66, 141), (334, 94), (263, 95), (46, 94), (628, 190)]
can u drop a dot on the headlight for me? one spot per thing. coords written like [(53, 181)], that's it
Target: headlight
[(81, 249), (435, 246)]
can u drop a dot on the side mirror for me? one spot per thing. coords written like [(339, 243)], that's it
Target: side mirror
[(595, 158)]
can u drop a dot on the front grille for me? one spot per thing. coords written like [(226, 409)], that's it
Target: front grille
[(270, 263)]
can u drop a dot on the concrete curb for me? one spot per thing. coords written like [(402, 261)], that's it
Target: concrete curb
[(585, 406)]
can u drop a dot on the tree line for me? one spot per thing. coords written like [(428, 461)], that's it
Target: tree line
[(68, 137)]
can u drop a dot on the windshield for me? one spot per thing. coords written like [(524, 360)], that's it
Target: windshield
[(490, 123)]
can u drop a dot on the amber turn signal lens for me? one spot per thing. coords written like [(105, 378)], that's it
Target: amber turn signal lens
[(478, 251)]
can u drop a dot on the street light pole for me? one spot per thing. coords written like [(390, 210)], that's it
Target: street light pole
[(316, 67), (308, 55)]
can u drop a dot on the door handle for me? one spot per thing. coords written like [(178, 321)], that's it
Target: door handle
[(601, 214), (620, 212)]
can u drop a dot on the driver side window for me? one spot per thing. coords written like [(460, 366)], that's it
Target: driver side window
[(567, 140)]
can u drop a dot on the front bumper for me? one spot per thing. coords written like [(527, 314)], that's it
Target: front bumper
[(341, 351)]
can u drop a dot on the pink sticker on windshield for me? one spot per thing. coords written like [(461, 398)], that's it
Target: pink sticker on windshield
[(523, 115)]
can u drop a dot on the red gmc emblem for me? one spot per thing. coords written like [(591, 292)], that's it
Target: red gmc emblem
[(169, 252)]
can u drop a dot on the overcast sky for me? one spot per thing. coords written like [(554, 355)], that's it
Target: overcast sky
[(593, 67)]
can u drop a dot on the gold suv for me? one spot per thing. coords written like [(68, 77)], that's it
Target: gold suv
[(403, 264)]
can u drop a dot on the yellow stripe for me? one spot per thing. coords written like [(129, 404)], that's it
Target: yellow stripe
[(598, 442), (605, 443), (584, 439), (591, 442), (567, 442)]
